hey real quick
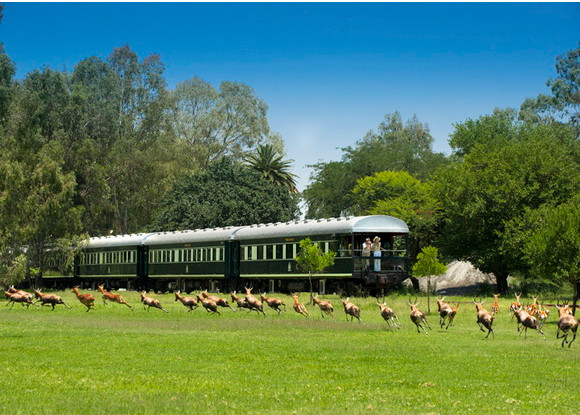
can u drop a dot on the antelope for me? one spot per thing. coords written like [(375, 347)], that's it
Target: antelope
[(86, 299), (274, 303), (527, 321), (13, 290), (351, 310), (484, 318), (254, 303), (299, 307), (325, 307), (114, 298), (208, 304), (241, 302), (532, 309), (151, 302), (49, 299), (222, 302), (445, 313), (566, 322), (516, 305), (452, 314), (18, 298), (543, 314), (189, 302), (495, 305), (388, 314), (418, 317)]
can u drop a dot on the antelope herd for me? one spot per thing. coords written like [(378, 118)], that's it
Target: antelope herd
[(533, 316)]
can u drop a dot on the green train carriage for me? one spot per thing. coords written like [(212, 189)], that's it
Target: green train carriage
[(262, 256)]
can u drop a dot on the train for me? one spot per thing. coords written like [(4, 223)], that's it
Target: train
[(262, 256)]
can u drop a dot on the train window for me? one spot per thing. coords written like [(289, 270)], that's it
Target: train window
[(279, 251), (269, 254), (260, 252)]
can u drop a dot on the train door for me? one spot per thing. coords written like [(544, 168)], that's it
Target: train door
[(232, 264), (143, 267)]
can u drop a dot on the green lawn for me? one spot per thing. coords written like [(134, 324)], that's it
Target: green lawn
[(112, 360)]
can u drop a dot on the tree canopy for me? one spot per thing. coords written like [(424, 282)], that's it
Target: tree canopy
[(226, 194)]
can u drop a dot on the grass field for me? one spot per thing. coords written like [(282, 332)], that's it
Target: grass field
[(112, 360)]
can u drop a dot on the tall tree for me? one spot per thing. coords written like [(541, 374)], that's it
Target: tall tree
[(495, 184), (270, 165), (225, 122), (36, 203)]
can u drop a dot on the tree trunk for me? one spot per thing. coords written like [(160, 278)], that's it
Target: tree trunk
[(501, 278)]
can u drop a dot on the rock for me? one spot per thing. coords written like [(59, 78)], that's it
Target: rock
[(461, 277)]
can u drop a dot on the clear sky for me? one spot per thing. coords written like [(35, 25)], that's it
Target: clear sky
[(328, 71)]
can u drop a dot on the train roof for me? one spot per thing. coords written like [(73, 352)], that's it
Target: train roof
[(195, 236), (352, 224), (313, 227)]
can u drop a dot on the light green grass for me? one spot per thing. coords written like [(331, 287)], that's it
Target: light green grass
[(112, 360)]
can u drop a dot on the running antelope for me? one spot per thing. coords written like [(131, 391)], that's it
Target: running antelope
[(18, 298), (221, 302), (532, 309), (299, 307), (527, 321), (13, 290), (254, 303), (241, 302), (49, 299), (543, 314), (151, 302), (274, 303), (325, 307), (495, 305), (566, 323), (445, 313), (351, 310), (86, 299), (388, 314), (516, 305), (208, 304), (484, 318), (418, 317), (114, 298), (189, 302)]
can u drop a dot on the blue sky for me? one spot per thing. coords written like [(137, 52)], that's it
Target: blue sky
[(328, 71)]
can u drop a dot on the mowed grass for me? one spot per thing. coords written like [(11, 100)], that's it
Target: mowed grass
[(112, 360)]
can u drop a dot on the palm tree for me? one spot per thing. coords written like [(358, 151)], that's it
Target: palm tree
[(272, 167)]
